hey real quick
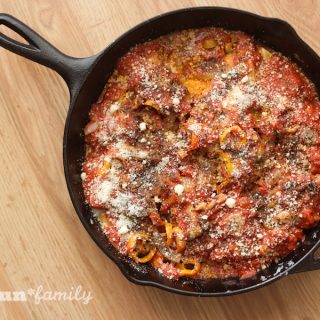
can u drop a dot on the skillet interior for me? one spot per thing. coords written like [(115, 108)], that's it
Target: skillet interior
[(274, 33)]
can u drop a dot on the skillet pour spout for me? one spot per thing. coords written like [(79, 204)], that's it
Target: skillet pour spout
[(86, 78)]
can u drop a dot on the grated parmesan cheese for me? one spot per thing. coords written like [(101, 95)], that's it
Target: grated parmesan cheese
[(230, 202), (143, 126), (175, 101), (103, 191), (83, 176), (178, 189), (244, 79), (114, 107), (124, 224)]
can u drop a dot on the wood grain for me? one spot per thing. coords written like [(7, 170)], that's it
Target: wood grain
[(42, 241)]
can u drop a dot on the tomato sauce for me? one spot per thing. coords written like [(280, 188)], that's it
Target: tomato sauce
[(203, 156)]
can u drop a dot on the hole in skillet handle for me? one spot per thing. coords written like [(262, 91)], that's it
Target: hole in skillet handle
[(4, 30), (73, 70), (12, 44), (36, 49)]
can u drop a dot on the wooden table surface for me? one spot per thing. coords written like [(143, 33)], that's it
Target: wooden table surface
[(42, 242)]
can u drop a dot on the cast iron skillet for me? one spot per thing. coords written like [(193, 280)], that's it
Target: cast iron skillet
[(86, 78)]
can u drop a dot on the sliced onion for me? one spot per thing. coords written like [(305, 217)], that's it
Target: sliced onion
[(91, 127), (164, 250), (97, 212)]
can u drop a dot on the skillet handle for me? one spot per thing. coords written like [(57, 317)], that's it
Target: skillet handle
[(72, 70), (309, 263)]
